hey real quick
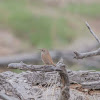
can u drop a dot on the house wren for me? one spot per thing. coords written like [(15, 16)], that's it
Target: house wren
[(46, 58)]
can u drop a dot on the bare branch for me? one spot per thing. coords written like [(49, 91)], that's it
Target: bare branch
[(23, 66), (87, 54), (91, 31)]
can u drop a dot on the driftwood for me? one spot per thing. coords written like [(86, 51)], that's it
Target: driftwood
[(74, 76), (21, 87), (37, 85), (91, 85), (30, 81), (88, 79), (88, 54), (19, 83)]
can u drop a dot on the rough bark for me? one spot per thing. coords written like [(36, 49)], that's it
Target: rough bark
[(79, 95), (88, 79), (74, 76), (33, 85), (91, 85), (26, 85), (36, 85)]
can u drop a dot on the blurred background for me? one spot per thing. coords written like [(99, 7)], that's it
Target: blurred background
[(58, 25)]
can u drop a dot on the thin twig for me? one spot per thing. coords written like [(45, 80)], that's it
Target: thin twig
[(91, 31)]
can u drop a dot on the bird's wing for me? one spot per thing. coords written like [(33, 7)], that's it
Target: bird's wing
[(50, 59)]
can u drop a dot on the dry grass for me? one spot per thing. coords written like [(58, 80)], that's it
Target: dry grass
[(52, 91)]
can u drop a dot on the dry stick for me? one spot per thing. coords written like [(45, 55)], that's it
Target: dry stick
[(88, 54), (91, 31)]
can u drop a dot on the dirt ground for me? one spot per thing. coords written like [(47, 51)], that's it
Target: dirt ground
[(10, 44)]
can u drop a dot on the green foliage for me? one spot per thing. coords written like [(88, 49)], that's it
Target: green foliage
[(17, 70), (64, 32), (36, 29), (91, 10), (41, 30)]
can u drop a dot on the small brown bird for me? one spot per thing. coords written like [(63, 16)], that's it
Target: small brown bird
[(46, 58)]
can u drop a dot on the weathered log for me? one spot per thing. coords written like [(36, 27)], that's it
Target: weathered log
[(74, 76), (23, 66), (88, 79), (4, 97), (79, 95), (83, 76), (19, 83), (28, 86), (91, 85)]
